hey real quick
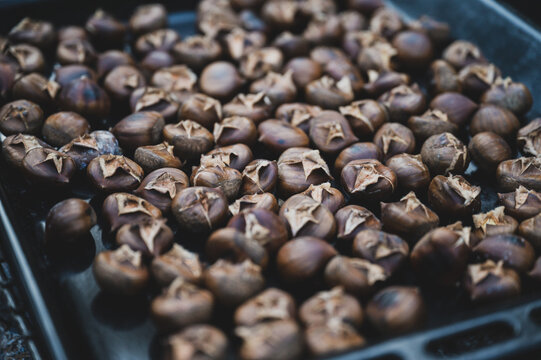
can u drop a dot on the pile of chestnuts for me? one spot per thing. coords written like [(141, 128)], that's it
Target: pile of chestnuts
[(279, 169)]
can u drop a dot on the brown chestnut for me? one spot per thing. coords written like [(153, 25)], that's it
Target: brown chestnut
[(329, 93), (490, 281), (525, 171), (150, 236), (259, 176), (411, 173), (48, 166), (444, 154), (176, 263), (15, 148), (200, 209), (368, 180), (153, 157), (280, 339), (364, 116), (326, 195), (161, 186), (330, 132), (279, 135), (331, 304), (453, 196), (529, 138), (353, 219), (496, 119), (513, 96), (461, 53), (113, 173), (235, 130), (403, 101), (305, 216), (256, 201), (432, 122), (515, 251), (236, 156), (202, 109), (220, 80), (147, 18), (197, 51), (69, 221), (357, 151), (235, 246), (271, 304), (381, 248), (61, 128), (458, 108), (393, 139), (521, 203), (86, 98), (195, 340), (357, 276), (189, 139), (123, 208), (20, 116), (488, 150)]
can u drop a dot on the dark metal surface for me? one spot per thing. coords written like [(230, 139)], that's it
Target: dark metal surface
[(76, 321)]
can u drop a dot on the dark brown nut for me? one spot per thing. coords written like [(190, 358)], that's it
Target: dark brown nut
[(411, 173), (272, 304), (305, 216), (408, 218), (175, 78), (475, 79), (221, 80), (47, 166), (380, 82), (235, 129), (20, 116), (488, 150), (180, 305), (113, 173), (139, 129), (324, 30), (36, 88), (8, 71), (189, 139), (154, 157), (121, 271), (279, 135), (61, 128), (453, 196), (176, 263), (86, 98), (328, 93), (256, 201), (396, 310), (280, 339), (156, 40), (15, 148), (332, 304), (357, 151), (326, 195), (440, 257), (461, 53), (259, 62), (330, 132), (414, 49), (496, 119), (403, 101), (521, 203), (35, 32), (121, 81), (213, 173), (197, 51), (278, 88), (445, 154), (357, 276), (76, 51), (300, 167), (256, 107), (515, 251), (161, 186), (66, 74), (298, 114), (386, 22), (303, 259), (155, 61), (364, 116), (525, 171), (381, 248), (353, 219), (303, 71), (354, 41), (493, 222), (105, 31), (151, 99), (438, 32), (150, 236), (110, 59), (378, 56), (393, 139), (529, 138), (197, 342), (292, 45), (535, 273), (259, 176), (69, 221), (432, 122), (235, 246), (281, 15), (240, 42), (443, 78), (490, 281), (352, 20), (262, 226), (458, 108), (232, 284), (513, 96), (85, 148), (124, 208), (29, 58), (202, 109), (334, 337), (368, 180), (147, 18), (325, 54), (200, 209), (236, 156), (216, 18)]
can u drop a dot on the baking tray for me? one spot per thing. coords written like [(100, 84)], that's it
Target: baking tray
[(76, 321)]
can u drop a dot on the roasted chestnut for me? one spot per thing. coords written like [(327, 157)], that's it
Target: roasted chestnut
[(199, 209), (69, 221), (48, 166), (490, 281), (411, 173), (150, 236), (112, 173), (453, 196), (368, 180), (307, 217), (521, 203), (161, 186), (515, 251), (279, 135), (124, 208), (176, 263), (445, 154), (263, 201), (358, 277), (403, 101), (525, 171), (488, 150), (393, 139), (21, 116)]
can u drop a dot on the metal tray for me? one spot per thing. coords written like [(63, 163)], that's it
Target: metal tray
[(76, 321)]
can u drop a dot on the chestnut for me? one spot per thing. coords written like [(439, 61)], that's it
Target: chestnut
[(403, 101), (326, 195), (331, 304), (235, 130), (334, 337), (305, 216), (443, 78), (303, 259), (199, 209), (379, 56), (325, 29), (453, 196), (150, 99), (298, 114), (233, 284), (340, 68), (66, 74), (176, 263), (525, 171), (197, 339), (189, 139), (86, 98), (281, 339), (147, 18), (291, 45), (281, 15), (197, 51), (515, 251), (239, 42), (414, 49), (61, 128), (85, 148), (161, 186), (48, 166), (444, 154), (8, 71), (385, 22), (368, 180), (259, 62), (236, 156), (329, 93), (156, 40), (120, 271), (357, 151), (330, 132), (256, 201), (110, 59), (220, 80), (357, 276), (364, 116), (521, 203), (488, 150), (76, 51), (493, 222), (396, 310), (432, 122), (123, 208), (278, 88), (150, 236), (529, 138), (490, 281), (121, 81), (212, 172), (15, 148), (353, 219), (303, 71), (180, 305), (175, 78), (496, 119), (379, 82), (513, 96), (393, 139), (381, 248), (36, 88), (139, 129), (235, 246), (20, 116), (458, 108), (461, 53), (279, 135), (411, 173), (35, 32), (477, 78), (535, 274), (153, 157), (438, 32), (29, 58), (352, 20), (69, 221), (112, 173), (271, 304), (259, 176), (104, 30), (202, 109)]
